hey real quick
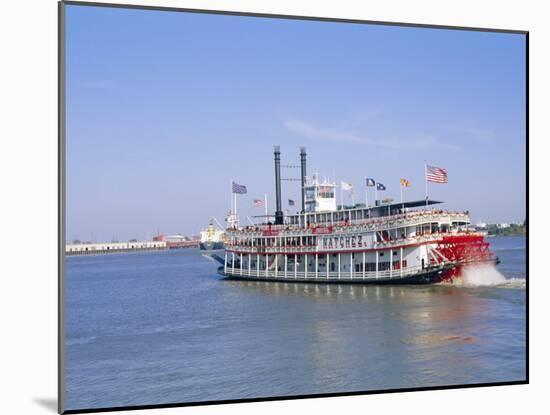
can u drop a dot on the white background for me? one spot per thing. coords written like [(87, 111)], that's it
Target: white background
[(28, 204)]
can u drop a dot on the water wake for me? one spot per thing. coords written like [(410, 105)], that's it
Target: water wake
[(482, 275), (486, 275)]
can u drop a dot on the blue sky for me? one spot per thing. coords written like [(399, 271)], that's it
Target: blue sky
[(164, 108)]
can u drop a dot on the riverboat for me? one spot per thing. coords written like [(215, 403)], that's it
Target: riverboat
[(413, 242)]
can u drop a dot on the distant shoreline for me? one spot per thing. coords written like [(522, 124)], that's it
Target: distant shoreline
[(512, 230)]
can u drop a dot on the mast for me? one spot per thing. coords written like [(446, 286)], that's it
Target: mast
[(426, 179), (303, 164), (279, 215)]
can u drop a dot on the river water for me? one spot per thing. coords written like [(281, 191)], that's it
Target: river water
[(162, 327)]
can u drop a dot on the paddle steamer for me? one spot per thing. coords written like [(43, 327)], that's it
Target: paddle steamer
[(412, 242)]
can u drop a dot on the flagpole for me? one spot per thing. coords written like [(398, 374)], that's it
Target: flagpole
[(366, 194), (426, 180), (231, 196), (401, 193), (341, 195), (375, 192), (335, 186), (265, 203)]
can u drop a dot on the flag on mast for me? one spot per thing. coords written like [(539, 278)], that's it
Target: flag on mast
[(436, 174), (404, 184), (379, 186), (238, 188), (370, 182), (258, 202)]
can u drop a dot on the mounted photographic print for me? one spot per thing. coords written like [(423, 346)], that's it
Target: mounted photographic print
[(258, 207)]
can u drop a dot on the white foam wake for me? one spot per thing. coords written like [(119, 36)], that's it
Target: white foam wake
[(482, 275), (486, 275)]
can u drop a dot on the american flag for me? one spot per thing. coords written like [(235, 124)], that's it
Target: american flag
[(239, 188), (258, 202), (290, 202), (436, 174)]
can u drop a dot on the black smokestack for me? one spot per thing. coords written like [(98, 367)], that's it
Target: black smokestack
[(303, 162), (278, 213)]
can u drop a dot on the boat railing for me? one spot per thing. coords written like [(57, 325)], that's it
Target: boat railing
[(274, 249), (301, 249), (322, 274), (373, 224)]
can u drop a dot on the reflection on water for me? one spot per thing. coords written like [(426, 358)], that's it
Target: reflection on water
[(162, 327), (347, 291), (392, 330)]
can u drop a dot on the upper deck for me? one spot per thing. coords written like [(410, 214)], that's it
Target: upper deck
[(354, 221), (356, 213), (387, 232)]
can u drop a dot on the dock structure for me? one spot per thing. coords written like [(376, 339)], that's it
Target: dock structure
[(177, 241), (182, 244), (114, 247)]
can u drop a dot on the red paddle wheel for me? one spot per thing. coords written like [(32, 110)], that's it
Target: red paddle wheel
[(461, 250)]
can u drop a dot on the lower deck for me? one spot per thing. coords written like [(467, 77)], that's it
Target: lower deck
[(353, 263), (353, 266), (420, 276)]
